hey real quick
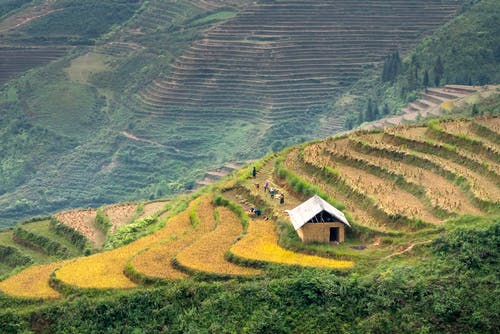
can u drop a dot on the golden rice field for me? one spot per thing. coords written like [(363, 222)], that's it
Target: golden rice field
[(156, 261), (32, 282), (105, 270), (260, 243), (207, 254)]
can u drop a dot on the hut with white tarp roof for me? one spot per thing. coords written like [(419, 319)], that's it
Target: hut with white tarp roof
[(316, 220)]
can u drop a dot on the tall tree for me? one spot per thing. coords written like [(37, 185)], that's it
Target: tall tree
[(438, 71), (425, 80)]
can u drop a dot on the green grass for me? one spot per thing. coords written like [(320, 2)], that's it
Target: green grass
[(218, 16), (43, 228), (38, 257)]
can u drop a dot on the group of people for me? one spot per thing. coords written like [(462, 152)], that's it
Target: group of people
[(274, 192)]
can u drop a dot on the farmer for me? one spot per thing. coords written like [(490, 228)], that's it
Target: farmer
[(271, 192), (282, 198), (254, 172), (266, 185)]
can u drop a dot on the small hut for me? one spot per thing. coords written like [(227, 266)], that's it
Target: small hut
[(317, 220)]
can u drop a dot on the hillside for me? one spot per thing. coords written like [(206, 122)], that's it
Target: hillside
[(417, 197), (140, 104)]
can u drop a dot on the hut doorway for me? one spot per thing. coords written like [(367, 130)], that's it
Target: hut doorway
[(334, 234)]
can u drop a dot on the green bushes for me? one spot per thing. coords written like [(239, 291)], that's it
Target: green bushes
[(102, 221), (13, 257), (75, 237), (51, 247)]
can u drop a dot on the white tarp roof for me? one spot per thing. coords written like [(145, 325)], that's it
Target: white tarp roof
[(310, 208)]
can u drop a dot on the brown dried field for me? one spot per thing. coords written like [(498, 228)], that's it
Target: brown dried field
[(460, 128), (491, 123), (481, 186), (440, 191), (360, 215), (390, 198), (120, 214), (420, 134), (152, 208), (83, 221)]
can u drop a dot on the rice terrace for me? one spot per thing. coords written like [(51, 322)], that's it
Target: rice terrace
[(269, 166)]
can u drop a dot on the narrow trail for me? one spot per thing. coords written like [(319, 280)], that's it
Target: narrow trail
[(20, 19), (407, 249), (144, 140)]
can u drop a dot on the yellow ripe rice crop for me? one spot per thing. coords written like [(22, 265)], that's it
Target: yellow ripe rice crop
[(179, 233), (261, 244), (100, 271), (32, 282), (105, 270), (207, 254)]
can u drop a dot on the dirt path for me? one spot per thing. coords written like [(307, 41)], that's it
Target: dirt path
[(27, 15), (407, 249), (135, 138)]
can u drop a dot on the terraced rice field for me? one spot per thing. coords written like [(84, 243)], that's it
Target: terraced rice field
[(83, 220), (152, 208), (260, 244), (441, 192), (273, 61), (15, 60), (426, 182), (208, 253), (106, 270), (120, 214), (421, 135), (32, 282), (156, 261)]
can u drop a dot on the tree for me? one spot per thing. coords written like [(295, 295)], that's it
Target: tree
[(386, 110), (474, 111), (392, 67), (438, 71), (425, 80), (369, 111)]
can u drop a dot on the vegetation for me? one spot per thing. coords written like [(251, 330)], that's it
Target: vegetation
[(423, 200), (121, 142)]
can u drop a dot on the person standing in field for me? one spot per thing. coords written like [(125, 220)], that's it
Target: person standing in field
[(282, 198), (254, 172), (266, 185)]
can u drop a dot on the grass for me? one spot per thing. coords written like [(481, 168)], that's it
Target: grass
[(43, 228), (217, 16), (83, 67), (38, 257)]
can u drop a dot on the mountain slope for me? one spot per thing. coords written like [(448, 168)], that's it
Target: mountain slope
[(258, 87)]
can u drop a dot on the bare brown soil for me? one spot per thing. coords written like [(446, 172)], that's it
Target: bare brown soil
[(153, 207), (83, 220), (120, 214)]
